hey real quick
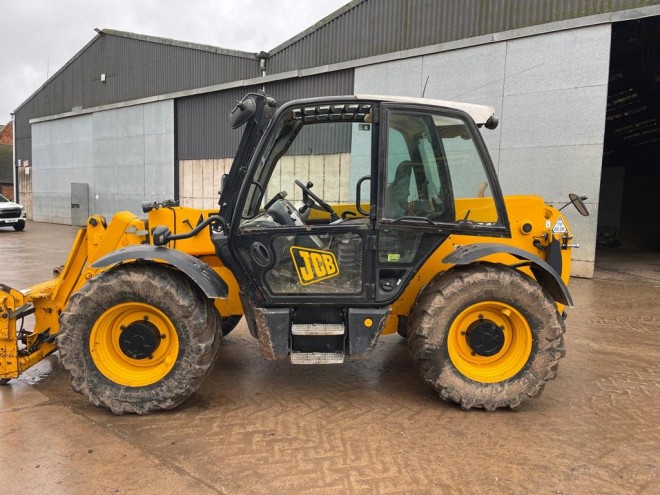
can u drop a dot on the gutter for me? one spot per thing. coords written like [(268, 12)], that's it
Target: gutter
[(14, 168)]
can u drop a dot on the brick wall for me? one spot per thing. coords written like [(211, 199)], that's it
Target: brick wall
[(7, 134), (7, 190)]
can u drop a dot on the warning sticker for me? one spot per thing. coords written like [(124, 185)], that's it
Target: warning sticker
[(560, 227)]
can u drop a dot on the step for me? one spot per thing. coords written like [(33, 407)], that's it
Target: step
[(317, 329), (317, 358)]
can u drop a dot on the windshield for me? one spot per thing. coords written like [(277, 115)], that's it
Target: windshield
[(3, 199)]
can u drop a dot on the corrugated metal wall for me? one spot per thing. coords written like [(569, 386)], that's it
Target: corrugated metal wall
[(202, 127), (374, 27), (134, 69)]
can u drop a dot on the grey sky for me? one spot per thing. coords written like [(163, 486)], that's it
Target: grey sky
[(39, 36)]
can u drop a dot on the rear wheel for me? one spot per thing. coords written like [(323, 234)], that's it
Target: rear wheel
[(20, 225), (138, 339), (485, 336)]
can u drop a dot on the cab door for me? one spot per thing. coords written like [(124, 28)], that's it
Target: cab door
[(306, 232), (436, 179)]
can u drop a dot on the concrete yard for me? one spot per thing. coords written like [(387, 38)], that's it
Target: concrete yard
[(365, 427)]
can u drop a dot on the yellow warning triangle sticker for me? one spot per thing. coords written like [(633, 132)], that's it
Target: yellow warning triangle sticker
[(560, 227)]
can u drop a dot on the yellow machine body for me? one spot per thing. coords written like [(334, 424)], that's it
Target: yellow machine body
[(530, 219)]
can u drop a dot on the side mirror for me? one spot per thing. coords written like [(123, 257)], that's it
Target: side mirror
[(578, 202), (223, 181), (242, 112)]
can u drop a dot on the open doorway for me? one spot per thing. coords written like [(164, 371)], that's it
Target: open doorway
[(629, 214)]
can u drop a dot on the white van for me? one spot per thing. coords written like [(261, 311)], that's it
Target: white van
[(11, 214)]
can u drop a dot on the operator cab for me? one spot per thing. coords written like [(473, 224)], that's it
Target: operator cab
[(344, 198)]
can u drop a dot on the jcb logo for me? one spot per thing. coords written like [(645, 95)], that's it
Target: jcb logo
[(313, 265)]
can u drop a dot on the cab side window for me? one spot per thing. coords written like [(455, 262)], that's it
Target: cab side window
[(417, 183), (435, 171)]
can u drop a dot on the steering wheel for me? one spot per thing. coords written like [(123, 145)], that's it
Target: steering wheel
[(284, 213), (320, 204)]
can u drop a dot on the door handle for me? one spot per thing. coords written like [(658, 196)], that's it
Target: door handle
[(260, 254)]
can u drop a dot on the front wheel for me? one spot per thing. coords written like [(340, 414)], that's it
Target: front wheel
[(20, 225), (486, 336), (138, 339)]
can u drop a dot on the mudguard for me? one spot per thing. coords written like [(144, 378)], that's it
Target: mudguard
[(199, 272), (545, 274)]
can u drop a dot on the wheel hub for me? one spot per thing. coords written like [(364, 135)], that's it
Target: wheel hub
[(139, 340), (485, 337)]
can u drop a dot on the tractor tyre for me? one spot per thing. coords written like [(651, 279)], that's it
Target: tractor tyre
[(138, 339), (229, 323), (485, 336)]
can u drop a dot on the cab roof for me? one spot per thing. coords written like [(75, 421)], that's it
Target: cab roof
[(481, 114)]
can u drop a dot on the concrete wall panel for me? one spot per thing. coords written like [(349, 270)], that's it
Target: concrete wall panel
[(42, 182), (479, 69), (159, 148), (105, 124), (40, 135), (82, 128), (561, 60), (61, 132), (550, 92), (402, 78), (82, 154), (43, 208), (564, 117), (130, 121), (543, 170), (112, 152), (158, 117), (130, 150)]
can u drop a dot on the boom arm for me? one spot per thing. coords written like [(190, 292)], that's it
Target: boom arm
[(20, 348)]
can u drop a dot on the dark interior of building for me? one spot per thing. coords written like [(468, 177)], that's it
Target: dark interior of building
[(629, 211)]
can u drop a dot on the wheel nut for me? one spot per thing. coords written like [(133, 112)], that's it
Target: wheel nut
[(146, 318), (162, 335), (122, 328), (150, 356)]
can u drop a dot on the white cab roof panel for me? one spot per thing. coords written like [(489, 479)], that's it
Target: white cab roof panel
[(479, 113)]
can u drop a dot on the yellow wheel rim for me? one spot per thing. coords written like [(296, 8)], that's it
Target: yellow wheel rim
[(489, 341), (134, 344)]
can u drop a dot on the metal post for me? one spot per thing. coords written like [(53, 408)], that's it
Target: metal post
[(13, 158)]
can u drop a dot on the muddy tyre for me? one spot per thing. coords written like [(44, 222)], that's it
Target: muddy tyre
[(138, 339), (485, 336)]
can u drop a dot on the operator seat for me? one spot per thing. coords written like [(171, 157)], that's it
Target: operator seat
[(397, 193)]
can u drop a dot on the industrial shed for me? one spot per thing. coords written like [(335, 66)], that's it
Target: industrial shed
[(576, 85)]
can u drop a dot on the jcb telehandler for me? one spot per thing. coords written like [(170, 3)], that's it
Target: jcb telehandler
[(342, 218)]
